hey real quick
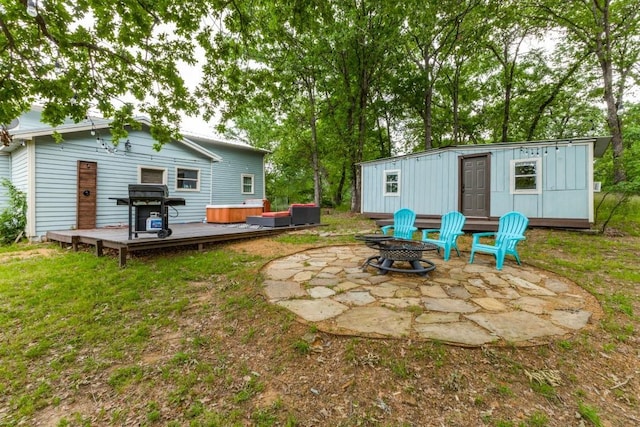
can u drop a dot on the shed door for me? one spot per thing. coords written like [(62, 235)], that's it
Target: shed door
[(87, 184), (474, 191)]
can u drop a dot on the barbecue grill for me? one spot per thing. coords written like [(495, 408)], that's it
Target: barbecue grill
[(150, 204)]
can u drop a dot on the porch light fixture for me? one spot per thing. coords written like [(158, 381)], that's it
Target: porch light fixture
[(127, 145), (32, 8)]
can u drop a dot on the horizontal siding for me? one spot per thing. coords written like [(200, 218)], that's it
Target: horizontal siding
[(5, 173), (19, 169), (56, 177), (227, 175)]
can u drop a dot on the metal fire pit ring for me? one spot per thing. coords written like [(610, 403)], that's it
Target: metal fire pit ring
[(392, 250), (372, 239), (401, 254)]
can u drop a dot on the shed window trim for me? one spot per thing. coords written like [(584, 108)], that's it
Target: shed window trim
[(391, 182), (247, 183), (145, 171), (187, 179), (526, 176)]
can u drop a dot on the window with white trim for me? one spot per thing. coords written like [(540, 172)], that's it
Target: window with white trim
[(247, 183), (526, 176), (187, 179), (149, 175), (391, 183)]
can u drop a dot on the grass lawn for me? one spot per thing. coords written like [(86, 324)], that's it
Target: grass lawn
[(185, 338)]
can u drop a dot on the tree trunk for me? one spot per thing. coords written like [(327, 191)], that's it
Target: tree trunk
[(554, 93), (428, 122), (315, 162), (603, 52), (455, 97), (337, 198)]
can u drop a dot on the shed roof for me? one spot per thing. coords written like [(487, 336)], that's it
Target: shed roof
[(600, 145)]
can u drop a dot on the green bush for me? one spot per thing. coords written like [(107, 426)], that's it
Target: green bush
[(14, 218)]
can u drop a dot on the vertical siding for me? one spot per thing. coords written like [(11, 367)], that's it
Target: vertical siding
[(566, 182), (430, 181), (428, 184)]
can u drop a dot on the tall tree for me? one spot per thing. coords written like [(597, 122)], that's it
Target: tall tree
[(430, 33), (79, 56), (511, 31), (610, 30)]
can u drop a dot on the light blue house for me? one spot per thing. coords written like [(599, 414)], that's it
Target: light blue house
[(70, 185), (551, 182)]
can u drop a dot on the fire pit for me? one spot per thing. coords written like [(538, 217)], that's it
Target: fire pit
[(392, 250), (372, 241)]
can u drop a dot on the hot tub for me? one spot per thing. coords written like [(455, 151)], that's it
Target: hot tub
[(226, 214)]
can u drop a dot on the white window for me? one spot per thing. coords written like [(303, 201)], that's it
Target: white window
[(247, 183), (391, 183), (526, 176), (187, 179), (150, 175)]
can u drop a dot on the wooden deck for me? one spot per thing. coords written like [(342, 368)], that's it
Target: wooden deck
[(194, 234)]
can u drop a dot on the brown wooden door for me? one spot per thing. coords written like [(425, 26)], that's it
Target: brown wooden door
[(87, 184), (474, 185)]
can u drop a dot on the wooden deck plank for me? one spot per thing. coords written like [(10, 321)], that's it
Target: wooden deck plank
[(194, 234)]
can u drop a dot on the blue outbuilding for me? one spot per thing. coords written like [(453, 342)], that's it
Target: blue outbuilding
[(551, 182)]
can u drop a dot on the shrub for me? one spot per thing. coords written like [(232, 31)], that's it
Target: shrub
[(14, 218)]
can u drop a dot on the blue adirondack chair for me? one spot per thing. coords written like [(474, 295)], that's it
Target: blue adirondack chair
[(450, 229), (511, 230), (403, 228)]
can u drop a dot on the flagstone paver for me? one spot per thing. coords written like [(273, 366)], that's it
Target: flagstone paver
[(376, 320), (458, 303)]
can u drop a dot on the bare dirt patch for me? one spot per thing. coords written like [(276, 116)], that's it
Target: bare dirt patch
[(244, 361), (26, 254), (268, 248)]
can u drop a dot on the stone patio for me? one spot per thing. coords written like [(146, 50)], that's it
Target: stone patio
[(457, 303)]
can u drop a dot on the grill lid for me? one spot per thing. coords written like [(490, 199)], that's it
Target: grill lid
[(148, 191)]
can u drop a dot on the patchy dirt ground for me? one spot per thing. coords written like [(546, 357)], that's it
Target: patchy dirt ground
[(33, 253), (244, 364)]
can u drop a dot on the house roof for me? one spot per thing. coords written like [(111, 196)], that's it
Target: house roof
[(600, 145), (196, 143)]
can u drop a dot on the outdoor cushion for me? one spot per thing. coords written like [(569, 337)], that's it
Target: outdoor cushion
[(278, 214)]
